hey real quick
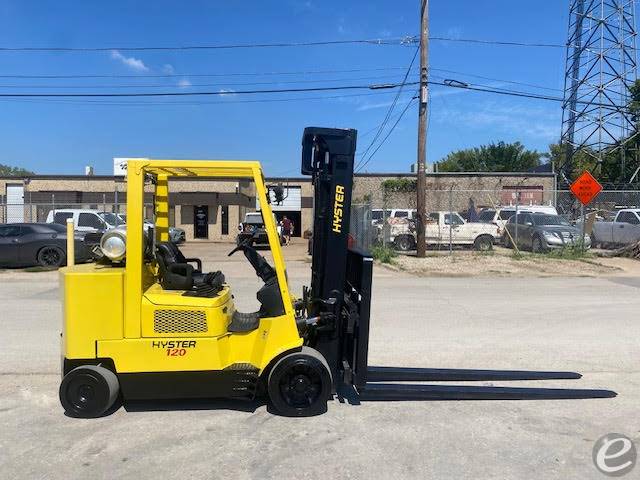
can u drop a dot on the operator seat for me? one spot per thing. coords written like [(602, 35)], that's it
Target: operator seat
[(176, 273)]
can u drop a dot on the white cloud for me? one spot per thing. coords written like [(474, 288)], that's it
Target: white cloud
[(528, 121), (184, 83), (131, 62), (168, 69), (227, 92), (372, 106)]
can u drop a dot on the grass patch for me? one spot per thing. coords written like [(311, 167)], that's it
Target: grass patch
[(384, 254), (566, 253), (569, 253)]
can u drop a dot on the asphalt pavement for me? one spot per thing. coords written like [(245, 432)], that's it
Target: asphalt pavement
[(589, 325)]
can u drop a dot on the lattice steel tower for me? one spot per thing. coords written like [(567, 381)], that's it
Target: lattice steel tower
[(600, 69)]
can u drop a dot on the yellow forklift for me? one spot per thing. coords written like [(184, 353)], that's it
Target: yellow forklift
[(144, 322)]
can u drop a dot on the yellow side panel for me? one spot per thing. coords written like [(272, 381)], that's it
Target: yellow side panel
[(258, 347), (92, 298), (169, 313)]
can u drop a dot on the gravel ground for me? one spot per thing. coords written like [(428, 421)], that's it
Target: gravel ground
[(501, 262), (584, 324)]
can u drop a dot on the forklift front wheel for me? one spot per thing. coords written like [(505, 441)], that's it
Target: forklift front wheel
[(300, 383), (88, 391)]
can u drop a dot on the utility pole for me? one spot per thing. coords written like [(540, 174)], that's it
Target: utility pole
[(421, 184)]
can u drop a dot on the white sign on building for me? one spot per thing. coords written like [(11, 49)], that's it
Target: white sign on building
[(120, 167)]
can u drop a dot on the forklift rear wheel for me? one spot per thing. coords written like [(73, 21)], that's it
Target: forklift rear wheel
[(88, 391), (300, 383)]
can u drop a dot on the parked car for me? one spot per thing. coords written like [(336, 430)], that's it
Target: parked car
[(84, 220), (624, 229), (540, 232), (442, 226), (176, 235), (253, 226), (45, 244), (499, 216)]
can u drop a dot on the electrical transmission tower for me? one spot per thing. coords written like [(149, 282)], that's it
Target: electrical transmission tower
[(600, 69)]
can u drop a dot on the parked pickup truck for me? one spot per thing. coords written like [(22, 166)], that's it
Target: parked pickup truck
[(624, 229), (440, 227)]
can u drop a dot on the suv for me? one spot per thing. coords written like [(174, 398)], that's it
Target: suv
[(501, 215), (84, 220), (253, 226)]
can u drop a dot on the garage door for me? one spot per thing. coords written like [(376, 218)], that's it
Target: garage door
[(15, 202), (291, 202)]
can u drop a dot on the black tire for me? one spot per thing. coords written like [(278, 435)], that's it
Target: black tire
[(50, 256), (483, 243), (506, 241), (299, 384), (404, 243), (88, 391), (538, 245)]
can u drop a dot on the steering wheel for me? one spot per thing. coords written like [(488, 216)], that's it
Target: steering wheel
[(257, 261), (242, 246)]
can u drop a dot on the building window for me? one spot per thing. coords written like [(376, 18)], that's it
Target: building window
[(225, 219)]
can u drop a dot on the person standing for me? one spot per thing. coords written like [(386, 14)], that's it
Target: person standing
[(287, 225)]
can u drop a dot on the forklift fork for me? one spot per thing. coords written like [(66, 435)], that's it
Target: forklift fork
[(373, 391)]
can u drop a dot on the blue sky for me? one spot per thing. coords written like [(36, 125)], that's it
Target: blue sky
[(62, 136)]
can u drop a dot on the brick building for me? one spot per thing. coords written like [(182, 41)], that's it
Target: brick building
[(222, 204)]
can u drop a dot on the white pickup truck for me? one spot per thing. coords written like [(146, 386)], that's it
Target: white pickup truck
[(624, 229), (442, 226)]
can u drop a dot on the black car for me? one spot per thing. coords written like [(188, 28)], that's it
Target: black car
[(29, 244)]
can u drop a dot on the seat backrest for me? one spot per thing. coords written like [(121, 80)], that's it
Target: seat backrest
[(174, 275), (180, 258), (167, 254)]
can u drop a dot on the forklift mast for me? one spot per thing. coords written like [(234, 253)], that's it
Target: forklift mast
[(328, 156), (340, 291)]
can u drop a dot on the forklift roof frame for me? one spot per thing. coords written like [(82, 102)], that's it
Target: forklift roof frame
[(163, 170)]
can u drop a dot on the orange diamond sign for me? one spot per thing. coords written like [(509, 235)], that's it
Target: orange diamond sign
[(585, 188)]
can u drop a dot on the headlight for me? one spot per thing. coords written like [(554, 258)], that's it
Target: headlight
[(550, 234), (114, 244)]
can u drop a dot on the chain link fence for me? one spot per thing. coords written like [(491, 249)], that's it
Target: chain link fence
[(456, 218), (464, 219)]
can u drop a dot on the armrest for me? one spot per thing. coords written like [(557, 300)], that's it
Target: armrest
[(197, 262)]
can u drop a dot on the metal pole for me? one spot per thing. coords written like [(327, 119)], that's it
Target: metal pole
[(582, 214), (71, 256), (104, 202), (517, 202), (451, 220), (421, 184)]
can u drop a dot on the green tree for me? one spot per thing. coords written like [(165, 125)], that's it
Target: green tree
[(9, 171), (583, 159), (495, 157), (634, 102)]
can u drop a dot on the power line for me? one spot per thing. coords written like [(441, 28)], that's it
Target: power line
[(218, 93), (513, 82), (182, 75), (77, 101), (364, 164), (190, 85), (403, 40), (393, 104), (370, 41), (498, 42)]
